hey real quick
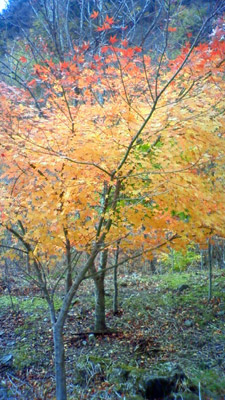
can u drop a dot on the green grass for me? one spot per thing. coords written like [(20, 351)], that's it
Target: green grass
[(210, 379), (27, 304)]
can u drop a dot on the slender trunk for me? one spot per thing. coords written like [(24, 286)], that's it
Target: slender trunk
[(210, 269), (100, 324), (28, 263), (69, 41), (81, 20), (202, 260), (223, 255), (69, 280), (115, 282), (152, 266), (172, 260), (60, 370), (99, 280), (115, 296)]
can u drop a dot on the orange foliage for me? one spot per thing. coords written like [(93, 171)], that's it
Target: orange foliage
[(119, 151)]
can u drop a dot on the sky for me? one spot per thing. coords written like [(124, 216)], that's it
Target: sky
[(2, 4)]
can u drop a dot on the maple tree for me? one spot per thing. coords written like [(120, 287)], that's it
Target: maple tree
[(118, 148)]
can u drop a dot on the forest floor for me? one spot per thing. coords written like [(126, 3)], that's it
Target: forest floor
[(159, 326)]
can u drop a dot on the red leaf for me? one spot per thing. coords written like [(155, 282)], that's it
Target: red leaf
[(32, 83), (109, 20), (3, 215), (64, 65), (113, 39), (94, 15), (92, 66), (104, 49), (171, 29), (124, 42), (23, 59), (85, 46), (137, 49), (96, 58), (128, 52), (104, 27), (189, 34)]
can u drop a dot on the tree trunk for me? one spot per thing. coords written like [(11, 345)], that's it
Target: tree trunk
[(115, 282), (202, 260), (152, 266), (81, 21), (99, 280), (69, 280), (100, 324), (223, 255), (60, 370), (115, 295), (58, 324), (210, 270)]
